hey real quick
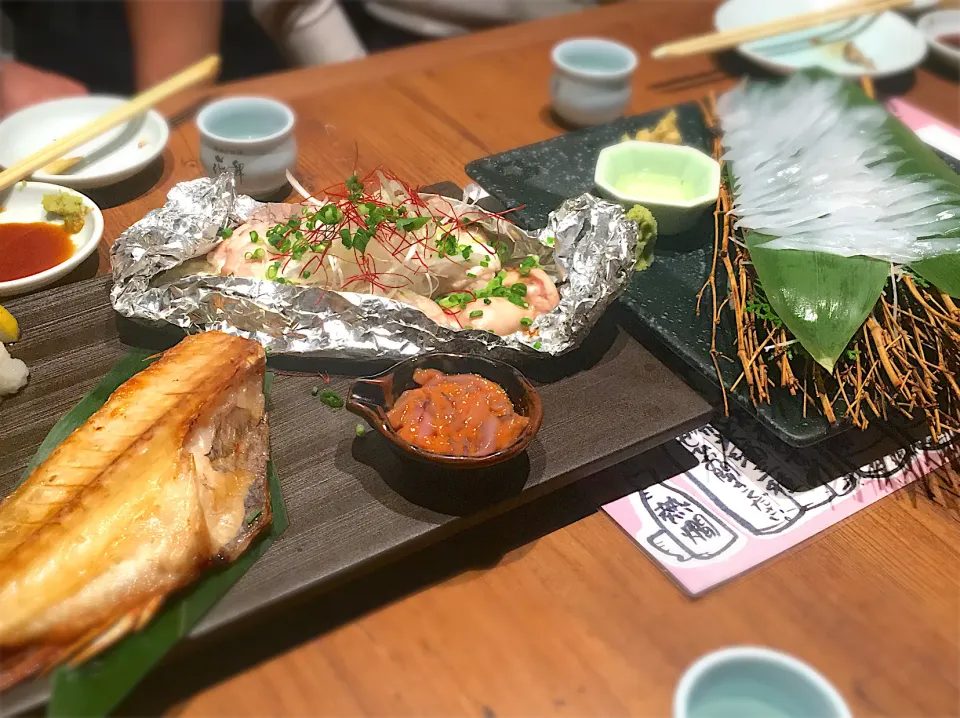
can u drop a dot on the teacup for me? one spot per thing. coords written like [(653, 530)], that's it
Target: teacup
[(591, 80), (251, 137), (749, 682)]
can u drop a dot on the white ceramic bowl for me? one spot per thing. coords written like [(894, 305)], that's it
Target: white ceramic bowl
[(936, 24), (252, 137), (112, 157), (591, 82), (22, 203), (695, 175), (747, 681), (889, 40)]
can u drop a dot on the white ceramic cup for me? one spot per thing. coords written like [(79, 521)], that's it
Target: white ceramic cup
[(591, 80), (751, 682), (251, 137)]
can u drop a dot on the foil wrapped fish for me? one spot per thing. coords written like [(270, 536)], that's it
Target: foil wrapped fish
[(167, 477), (587, 250)]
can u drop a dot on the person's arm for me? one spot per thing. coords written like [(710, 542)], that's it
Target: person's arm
[(23, 85), (169, 35)]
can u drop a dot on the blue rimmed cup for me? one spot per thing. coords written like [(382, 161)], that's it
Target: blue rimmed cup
[(251, 137), (591, 81), (753, 682)]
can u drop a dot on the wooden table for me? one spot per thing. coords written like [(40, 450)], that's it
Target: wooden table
[(551, 610)]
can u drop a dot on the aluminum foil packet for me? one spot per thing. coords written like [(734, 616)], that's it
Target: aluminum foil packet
[(588, 248)]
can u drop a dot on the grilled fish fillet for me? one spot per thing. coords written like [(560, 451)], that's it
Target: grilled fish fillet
[(168, 476)]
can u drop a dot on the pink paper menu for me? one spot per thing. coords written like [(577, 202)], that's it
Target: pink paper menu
[(729, 508), (732, 510)]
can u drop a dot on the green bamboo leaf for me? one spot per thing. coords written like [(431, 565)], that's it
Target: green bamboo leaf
[(942, 272), (95, 688), (918, 159), (823, 299)]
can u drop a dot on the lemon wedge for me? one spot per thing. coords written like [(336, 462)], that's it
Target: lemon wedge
[(9, 329)]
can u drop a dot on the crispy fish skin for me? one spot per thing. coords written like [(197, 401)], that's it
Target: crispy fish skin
[(166, 477)]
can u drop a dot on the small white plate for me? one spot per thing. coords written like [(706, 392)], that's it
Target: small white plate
[(23, 203), (888, 40), (112, 157), (939, 23)]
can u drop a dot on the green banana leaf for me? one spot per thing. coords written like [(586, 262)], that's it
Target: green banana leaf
[(823, 299), (96, 687), (919, 158)]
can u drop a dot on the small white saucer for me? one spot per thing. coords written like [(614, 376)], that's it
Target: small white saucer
[(888, 40), (23, 203), (936, 24), (112, 157)]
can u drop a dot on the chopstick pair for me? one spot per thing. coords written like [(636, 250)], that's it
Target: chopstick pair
[(728, 39), (47, 157)]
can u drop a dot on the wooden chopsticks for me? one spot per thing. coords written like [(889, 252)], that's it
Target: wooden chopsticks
[(714, 41), (206, 69)]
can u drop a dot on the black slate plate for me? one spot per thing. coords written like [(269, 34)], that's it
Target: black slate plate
[(661, 299)]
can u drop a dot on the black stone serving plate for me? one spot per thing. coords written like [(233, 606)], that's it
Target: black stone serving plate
[(660, 303)]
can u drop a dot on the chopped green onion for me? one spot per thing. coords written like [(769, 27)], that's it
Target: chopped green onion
[(226, 232), (471, 275), (331, 399), (360, 430), (329, 214), (537, 345), (526, 322), (454, 300), (465, 252), (519, 288), (411, 224), (531, 262), (476, 313), (306, 274), (487, 301), (248, 255), (272, 270), (258, 253), (254, 236), (550, 241), (347, 239), (315, 390)]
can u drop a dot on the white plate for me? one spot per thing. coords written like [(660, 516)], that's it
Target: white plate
[(888, 40), (941, 22), (112, 157), (23, 203)]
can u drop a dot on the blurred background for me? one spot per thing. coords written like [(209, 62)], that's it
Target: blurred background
[(62, 47)]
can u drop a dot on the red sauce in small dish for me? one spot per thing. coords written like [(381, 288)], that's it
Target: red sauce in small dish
[(28, 248), (952, 39), (456, 415)]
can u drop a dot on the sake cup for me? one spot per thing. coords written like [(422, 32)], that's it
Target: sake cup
[(752, 682), (591, 81), (252, 137)]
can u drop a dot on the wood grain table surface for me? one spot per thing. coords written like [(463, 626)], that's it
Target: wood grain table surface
[(550, 610)]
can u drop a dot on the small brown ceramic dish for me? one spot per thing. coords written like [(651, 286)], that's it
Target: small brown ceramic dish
[(372, 398)]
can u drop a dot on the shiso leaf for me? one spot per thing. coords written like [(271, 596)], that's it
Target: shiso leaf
[(96, 687)]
